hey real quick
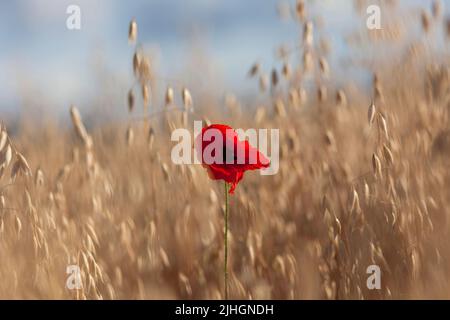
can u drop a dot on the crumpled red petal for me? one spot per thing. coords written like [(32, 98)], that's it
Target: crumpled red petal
[(231, 173)]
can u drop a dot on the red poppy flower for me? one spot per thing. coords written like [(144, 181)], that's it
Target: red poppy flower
[(225, 156)]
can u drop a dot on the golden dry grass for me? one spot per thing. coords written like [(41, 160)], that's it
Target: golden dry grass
[(357, 186)]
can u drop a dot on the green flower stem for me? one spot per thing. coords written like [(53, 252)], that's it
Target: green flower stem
[(225, 271)]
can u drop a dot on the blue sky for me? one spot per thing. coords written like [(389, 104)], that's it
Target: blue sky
[(38, 52)]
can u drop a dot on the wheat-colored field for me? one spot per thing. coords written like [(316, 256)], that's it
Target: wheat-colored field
[(364, 180)]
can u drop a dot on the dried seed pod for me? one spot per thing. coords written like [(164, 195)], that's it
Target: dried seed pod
[(308, 37), (145, 95), (185, 284), (79, 127), (378, 93), (388, 154), (280, 110), (150, 137), (366, 192), (263, 82), (307, 61), (144, 70), (187, 98), (376, 164), (294, 97), (384, 126), (136, 62), (2, 170), (327, 217), (18, 225), (131, 100), (39, 177), (63, 173), (282, 52), (254, 70), (6, 156), (3, 138), (437, 8), (300, 9), (426, 20), (132, 31), (338, 225), (322, 93), (324, 68), (329, 139), (274, 78), (164, 257), (286, 71), (415, 263), (341, 99), (169, 96), (279, 265), (371, 113), (20, 167), (165, 170), (355, 207), (129, 136)]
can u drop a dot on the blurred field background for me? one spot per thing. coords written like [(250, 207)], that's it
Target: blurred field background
[(364, 135)]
